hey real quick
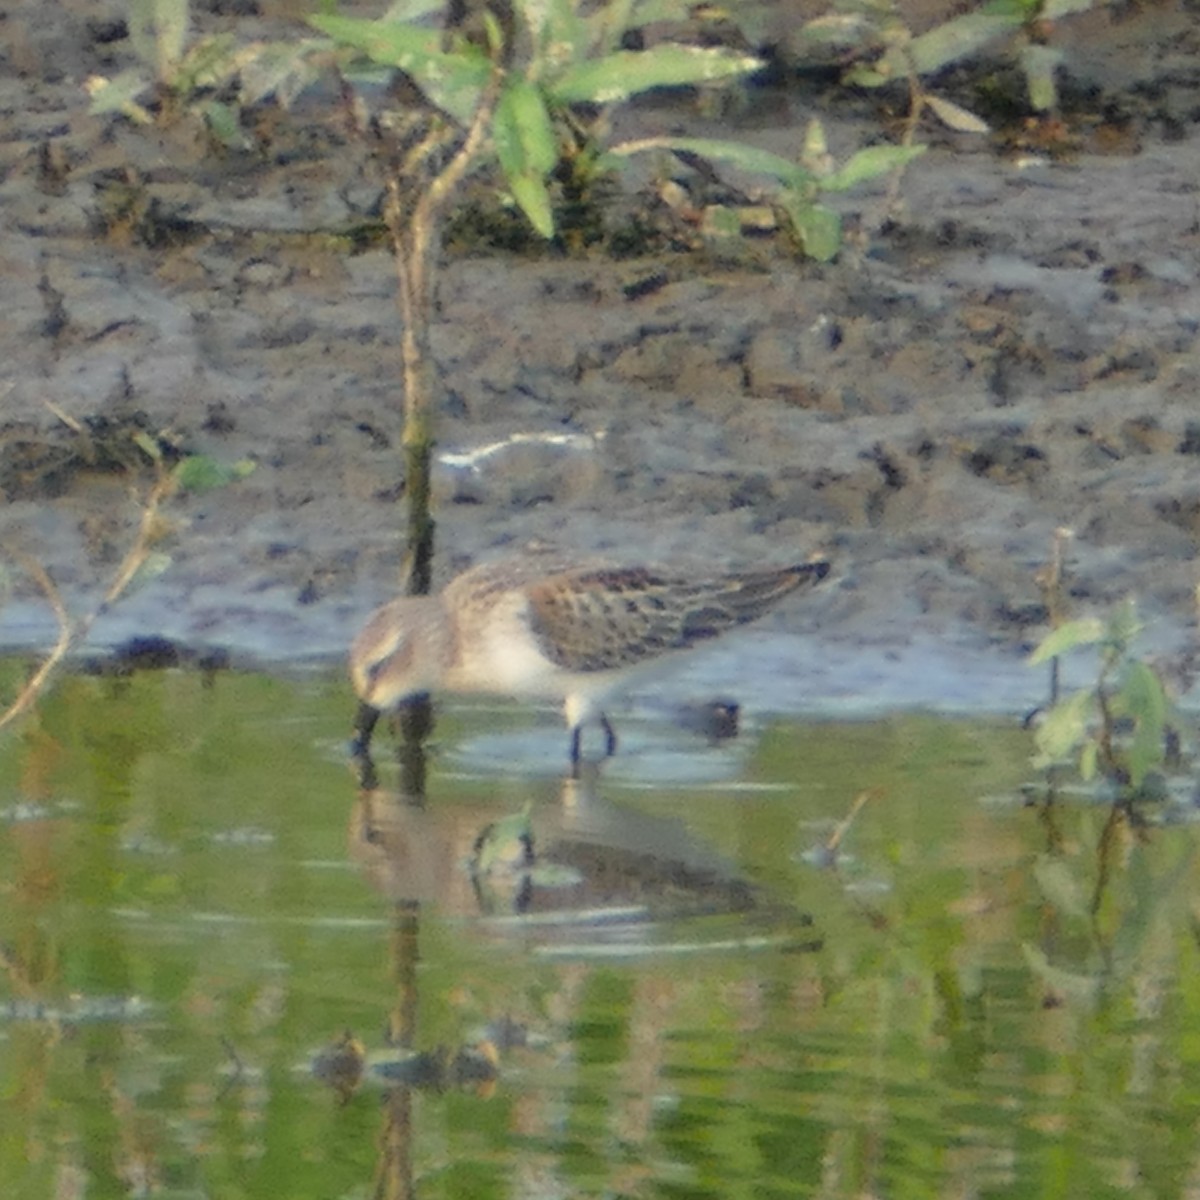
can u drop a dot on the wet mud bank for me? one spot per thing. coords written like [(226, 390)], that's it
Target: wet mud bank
[(1014, 352)]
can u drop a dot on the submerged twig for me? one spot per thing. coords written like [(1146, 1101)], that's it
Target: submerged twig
[(66, 633), (843, 826)]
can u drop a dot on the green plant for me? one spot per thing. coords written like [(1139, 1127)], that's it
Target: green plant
[(144, 560), (572, 60), (800, 185), (476, 97), (877, 36), (482, 99), (177, 75), (1118, 728)]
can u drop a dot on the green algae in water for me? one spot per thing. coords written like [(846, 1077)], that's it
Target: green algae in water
[(970, 995)]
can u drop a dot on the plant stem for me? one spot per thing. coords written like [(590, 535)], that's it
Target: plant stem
[(415, 226), (416, 242), (72, 634)]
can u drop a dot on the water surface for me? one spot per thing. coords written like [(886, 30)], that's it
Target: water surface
[(228, 973)]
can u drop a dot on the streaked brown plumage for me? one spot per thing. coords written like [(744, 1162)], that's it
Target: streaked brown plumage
[(535, 626)]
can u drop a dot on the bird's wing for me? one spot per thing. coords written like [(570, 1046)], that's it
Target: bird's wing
[(601, 618)]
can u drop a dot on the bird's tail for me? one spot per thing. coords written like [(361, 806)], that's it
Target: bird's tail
[(751, 593)]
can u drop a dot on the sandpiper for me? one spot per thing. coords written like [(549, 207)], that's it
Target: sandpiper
[(540, 627)]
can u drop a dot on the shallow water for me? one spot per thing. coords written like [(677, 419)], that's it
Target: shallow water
[(204, 923)]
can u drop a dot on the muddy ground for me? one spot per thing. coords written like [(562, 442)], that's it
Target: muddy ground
[(1014, 351)]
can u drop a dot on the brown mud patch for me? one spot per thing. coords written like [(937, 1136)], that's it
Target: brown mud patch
[(1014, 352)]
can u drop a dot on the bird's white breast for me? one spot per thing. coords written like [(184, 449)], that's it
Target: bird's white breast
[(497, 652)]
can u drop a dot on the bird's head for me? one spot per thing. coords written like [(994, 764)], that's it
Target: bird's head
[(394, 657)]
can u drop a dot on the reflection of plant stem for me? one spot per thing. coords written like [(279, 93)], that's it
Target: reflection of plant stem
[(1104, 851), (402, 1025), (72, 634), (37, 681), (1047, 815), (238, 1071), (394, 1176)]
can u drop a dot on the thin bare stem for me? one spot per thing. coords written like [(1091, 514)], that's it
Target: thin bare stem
[(415, 243), (71, 633), (835, 838)]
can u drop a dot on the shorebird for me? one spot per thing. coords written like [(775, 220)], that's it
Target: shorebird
[(537, 627)]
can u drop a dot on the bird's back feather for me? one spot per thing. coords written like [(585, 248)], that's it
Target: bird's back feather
[(605, 618)]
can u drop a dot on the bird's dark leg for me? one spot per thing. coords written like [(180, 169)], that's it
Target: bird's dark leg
[(365, 720), (610, 737), (610, 744), (576, 738)]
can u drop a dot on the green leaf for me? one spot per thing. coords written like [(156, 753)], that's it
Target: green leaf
[(745, 158), (224, 122), (1055, 10), (867, 164), (954, 116), (199, 473), (151, 567), (531, 193), (838, 29), (120, 94), (626, 73), (1065, 726), (452, 81), (1061, 887), (148, 445), (527, 149), (392, 42), (523, 132), (1089, 760), (158, 31), (281, 69), (876, 76), (554, 875), (949, 42), (819, 229), (815, 156), (1155, 898), (957, 39), (1038, 63), (1085, 631), (721, 221), (411, 10), (1142, 697), (207, 64), (1080, 989), (506, 844), (1123, 628), (558, 34), (609, 21)]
